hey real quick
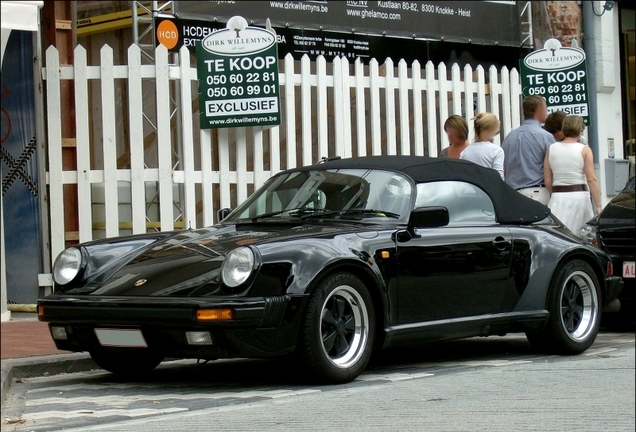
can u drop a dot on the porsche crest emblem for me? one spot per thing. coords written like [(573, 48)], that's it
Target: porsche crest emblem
[(140, 282)]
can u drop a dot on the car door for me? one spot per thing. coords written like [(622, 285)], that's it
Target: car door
[(459, 270)]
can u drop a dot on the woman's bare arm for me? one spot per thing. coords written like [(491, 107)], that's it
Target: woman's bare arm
[(592, 182), (547, 171)]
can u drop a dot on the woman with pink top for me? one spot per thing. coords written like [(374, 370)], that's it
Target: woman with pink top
[(568, 173)]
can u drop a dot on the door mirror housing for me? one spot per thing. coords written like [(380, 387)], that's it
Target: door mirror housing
[(223, 213), (428, 217)]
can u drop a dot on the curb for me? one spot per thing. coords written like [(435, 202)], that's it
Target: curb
[(13, 369)]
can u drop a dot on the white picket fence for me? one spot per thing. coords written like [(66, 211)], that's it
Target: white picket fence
[(354, 110)]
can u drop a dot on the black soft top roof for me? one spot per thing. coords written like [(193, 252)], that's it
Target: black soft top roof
[(511, 207)]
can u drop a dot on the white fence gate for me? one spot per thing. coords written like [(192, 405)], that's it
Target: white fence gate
[(329, 109)]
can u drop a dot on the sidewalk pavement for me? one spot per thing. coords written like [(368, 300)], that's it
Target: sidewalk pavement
[(27, 350)]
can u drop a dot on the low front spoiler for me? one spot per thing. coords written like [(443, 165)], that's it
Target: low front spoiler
[(260, 327)]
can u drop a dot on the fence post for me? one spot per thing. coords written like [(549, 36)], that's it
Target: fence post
[(505, 99), (457, 89), (494, 94), (481, 90), (305, 101), (82, 136), (405, 112), (109, 142), (389, 99), (346, 102), (187, 139), (418, 119), (469, 99), (54, 124), (431, 111), (290, 112), (361, 115), (515, 98), (164, 145), (136, 120), (374, 90), (321, 99)]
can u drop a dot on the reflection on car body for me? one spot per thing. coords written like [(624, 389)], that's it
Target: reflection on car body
[(332, 261)]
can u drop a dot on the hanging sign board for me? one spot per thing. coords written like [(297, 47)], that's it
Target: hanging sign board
[(237, 69), (494, 22), (559, 74)]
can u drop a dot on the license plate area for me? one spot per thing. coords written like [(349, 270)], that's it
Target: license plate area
[(629, 269), (121, 338)]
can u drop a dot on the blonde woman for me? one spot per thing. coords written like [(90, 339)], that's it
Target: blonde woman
[(456, 130), (482, 151), (568, 173)]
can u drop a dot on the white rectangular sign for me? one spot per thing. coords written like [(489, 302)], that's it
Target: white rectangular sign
[(266, 105)]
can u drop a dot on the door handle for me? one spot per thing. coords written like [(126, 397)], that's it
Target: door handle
[(501, 243)]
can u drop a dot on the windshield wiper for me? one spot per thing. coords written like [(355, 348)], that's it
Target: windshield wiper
[(378, 213), (295, 212), (320, 213), (305, 213)]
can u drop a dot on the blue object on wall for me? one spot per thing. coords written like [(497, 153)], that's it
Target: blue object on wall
[(20, 187)]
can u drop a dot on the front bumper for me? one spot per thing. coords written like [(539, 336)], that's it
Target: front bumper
[(260, 327)]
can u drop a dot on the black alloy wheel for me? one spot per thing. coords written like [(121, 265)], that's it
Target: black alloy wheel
[(574, 306), (339, 329)]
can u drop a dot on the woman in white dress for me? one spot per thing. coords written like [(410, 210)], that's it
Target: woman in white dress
[(482, 151), (568, 173)]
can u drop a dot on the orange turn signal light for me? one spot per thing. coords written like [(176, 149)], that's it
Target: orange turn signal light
[(40, 310), (217, 314), (385, 254)]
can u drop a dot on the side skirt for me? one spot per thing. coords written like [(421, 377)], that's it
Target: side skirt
[(458, 328)]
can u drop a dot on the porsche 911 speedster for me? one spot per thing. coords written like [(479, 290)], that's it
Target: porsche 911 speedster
[(331, 262)]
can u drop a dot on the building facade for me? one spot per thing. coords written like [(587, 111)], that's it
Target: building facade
[(452, 33)]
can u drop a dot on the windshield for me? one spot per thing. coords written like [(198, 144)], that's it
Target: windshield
[(352, 194)]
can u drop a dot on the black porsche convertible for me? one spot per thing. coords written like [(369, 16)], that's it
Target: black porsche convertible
[(331, 262)]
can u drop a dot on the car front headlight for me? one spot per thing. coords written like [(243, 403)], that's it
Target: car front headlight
[(67, 265), (237, 267), (589, 234)]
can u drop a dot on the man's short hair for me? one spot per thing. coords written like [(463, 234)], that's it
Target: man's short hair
[(530, 105), (554, 122)]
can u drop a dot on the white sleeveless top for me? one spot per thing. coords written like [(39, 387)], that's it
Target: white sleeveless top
[(566, 162)]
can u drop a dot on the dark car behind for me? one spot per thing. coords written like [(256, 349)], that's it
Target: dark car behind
[(614, 230)]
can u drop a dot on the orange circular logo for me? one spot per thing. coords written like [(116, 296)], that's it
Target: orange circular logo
[(167, 34)]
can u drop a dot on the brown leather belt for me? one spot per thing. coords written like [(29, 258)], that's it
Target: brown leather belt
[(572, 188)]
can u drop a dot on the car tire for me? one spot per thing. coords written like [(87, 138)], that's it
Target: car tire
[(574, 303), (128, 363), (336, 338)]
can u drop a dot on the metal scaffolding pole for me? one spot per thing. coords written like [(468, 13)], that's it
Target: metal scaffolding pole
[(143, 29)]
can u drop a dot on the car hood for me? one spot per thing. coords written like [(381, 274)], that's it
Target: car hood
[(618, 213), (189, 263)]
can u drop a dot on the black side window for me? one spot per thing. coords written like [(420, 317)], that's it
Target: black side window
[(465, 202)]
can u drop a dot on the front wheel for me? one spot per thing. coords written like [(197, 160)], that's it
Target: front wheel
[(574, 306), (338, 330), (127, 363)]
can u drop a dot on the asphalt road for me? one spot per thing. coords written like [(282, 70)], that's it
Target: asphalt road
[(481, 384)]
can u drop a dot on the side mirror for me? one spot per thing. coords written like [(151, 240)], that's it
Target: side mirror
[(428, 217), (223, 213)]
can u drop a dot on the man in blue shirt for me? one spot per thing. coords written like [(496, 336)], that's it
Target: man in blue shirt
[(525, 149)]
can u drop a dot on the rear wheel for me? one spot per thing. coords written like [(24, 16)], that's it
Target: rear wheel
[(128, 363), (574, 306), (338, 330)]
